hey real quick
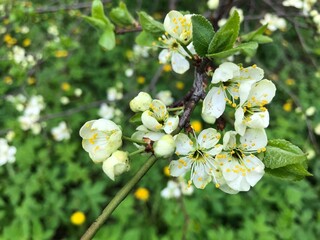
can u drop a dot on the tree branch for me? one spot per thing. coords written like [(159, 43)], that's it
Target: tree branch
[(118, 198)]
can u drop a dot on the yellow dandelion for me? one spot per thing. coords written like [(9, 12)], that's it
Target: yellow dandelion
[(166, 171), (8, 80), (179, 85), (31, 80), (26, 42), (78, 218), (167, 68), (65, 86), (290, 82), (6, 21), (287, 106), (196, 125), (141, 80), (129, 54), (142, 194), (9, 40), (61, 53)]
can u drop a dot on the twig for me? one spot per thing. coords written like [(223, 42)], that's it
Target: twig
[(67, 7), (118, 198)]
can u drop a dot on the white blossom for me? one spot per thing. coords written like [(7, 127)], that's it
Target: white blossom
[(101, 138), (231, 83), (197, 157), (171, 191), (253, 113), (240, 168), (178, 26), (157, 118)]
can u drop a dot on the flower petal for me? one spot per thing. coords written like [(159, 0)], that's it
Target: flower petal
[(179, 63), (254, 139), (225, 72), (164, 56), (262, 93), (208, 138), (214, 103), (150, 122), (183, 144), (179, 167), (258, 120), (171, 124)]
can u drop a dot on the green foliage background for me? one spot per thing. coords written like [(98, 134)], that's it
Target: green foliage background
[(50, 180)]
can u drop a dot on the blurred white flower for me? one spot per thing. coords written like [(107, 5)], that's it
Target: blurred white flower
[(171, 191), (213, 4), (78, 92), (61, 132), (114, 94), (274, 22), (101, 138), (165, 96), (53, 30), (311, 111), (317, 129), (7, 153), (64, 100), (141, 51), (10, 135), (116, 164), (129, 72), (106, 111)]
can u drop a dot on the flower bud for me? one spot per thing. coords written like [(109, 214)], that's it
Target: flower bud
[(164, 147), (117, 164), (141, 102)]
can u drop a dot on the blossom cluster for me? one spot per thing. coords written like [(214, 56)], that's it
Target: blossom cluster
[(227, 158)]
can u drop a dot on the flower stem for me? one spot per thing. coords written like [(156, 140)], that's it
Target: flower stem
[(175, 109), (133, 140), (186, 49), (118, 198), (136, 152)]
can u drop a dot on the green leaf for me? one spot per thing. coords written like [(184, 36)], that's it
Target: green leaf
[(107, 40), (97, 12), (226, 36), (145, 39), (218, 44), (121, 15), (150, 25), (248, 48), (280, 153), (292, 172), (95, 22), (202, 34), (136, 118), (257, 36)]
